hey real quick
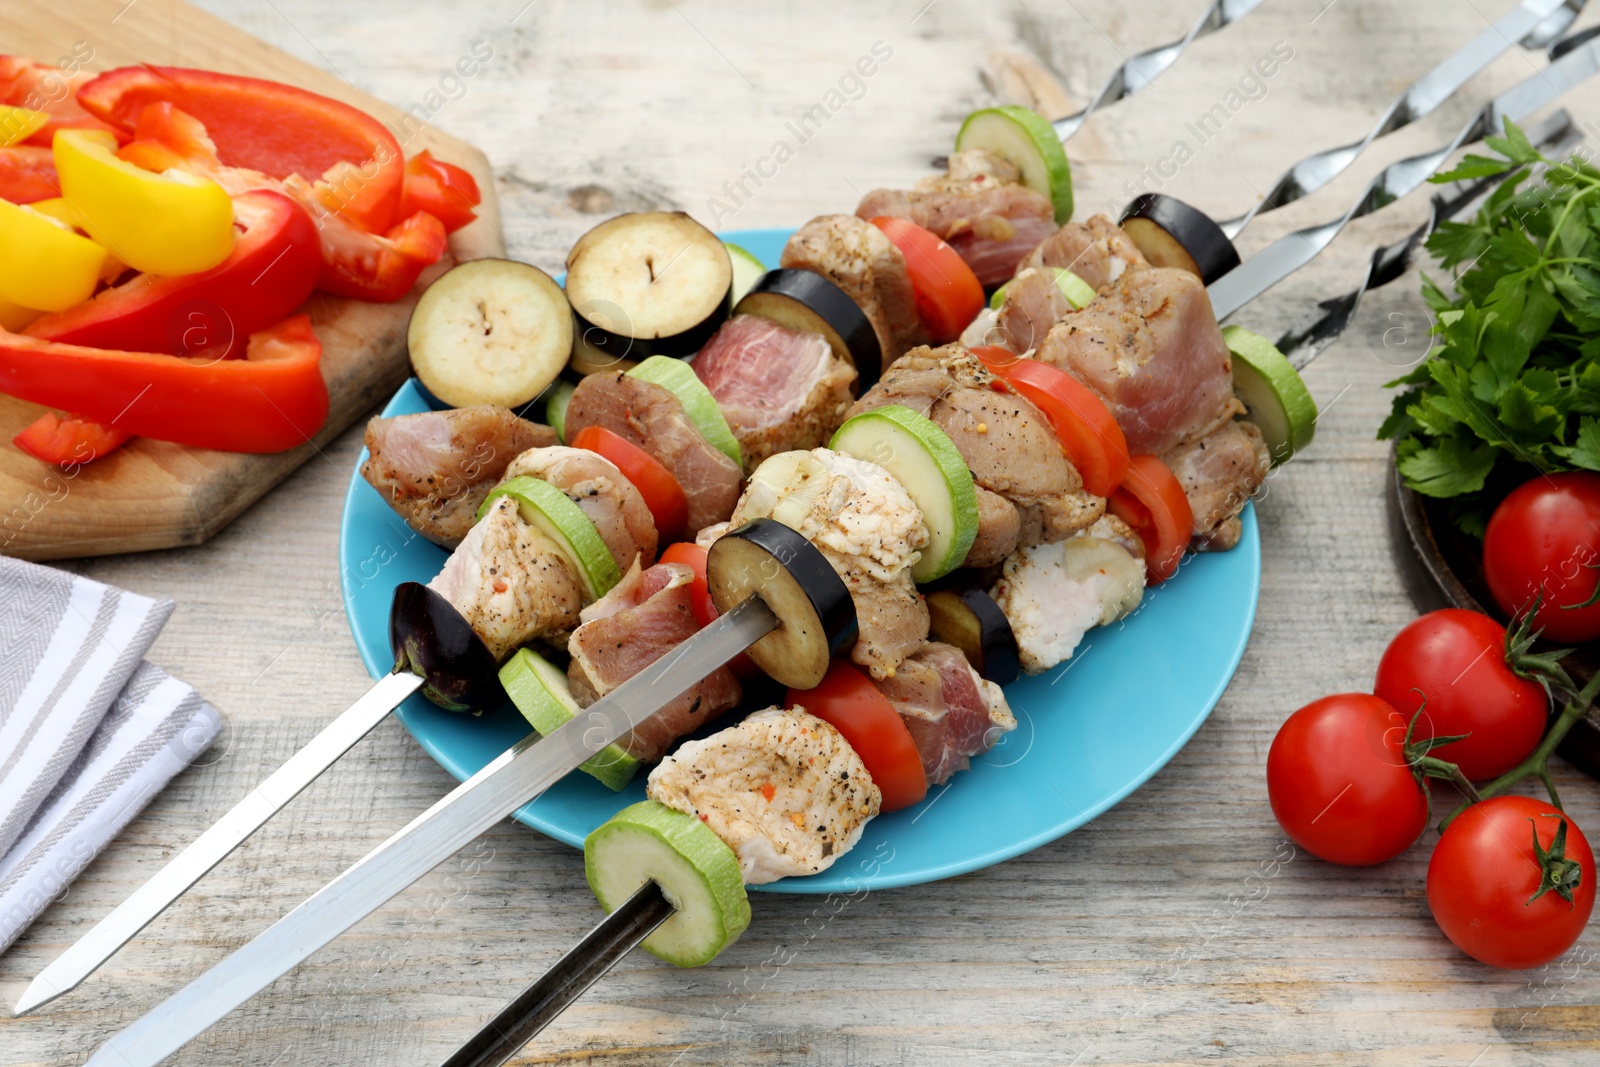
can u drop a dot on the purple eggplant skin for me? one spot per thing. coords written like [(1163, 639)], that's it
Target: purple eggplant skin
[(966, 616), (430, 638)]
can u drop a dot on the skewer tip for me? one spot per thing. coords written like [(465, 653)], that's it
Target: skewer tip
[(41, 991)]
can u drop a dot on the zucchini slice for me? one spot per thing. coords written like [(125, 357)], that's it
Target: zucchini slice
[(926, 462), (1026, 140), (816, 617), (806, 301), (679, 379), (549, 510), (647, 283), (490, 331), (698, 874), (1077, 291), (555, 408), (540, 692), (747, 269), (430, 638), (1170, 233), (969, 619), (1275, 396)]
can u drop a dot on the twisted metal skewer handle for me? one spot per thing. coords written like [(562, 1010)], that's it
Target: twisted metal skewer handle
[(1288, 254), (1146, 67), (1534, 22)]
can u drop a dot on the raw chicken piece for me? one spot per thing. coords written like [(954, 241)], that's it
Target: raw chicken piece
[(855, 255), (644, 617), (783, 789), (1218, 473), (510, 582), (1150, 347), (649, 416), (1006, 441), (979, 207), (604, 494), (1053, 594), (435, 468), (1096, 250), (779, 389), (866, 525), (951, 712)]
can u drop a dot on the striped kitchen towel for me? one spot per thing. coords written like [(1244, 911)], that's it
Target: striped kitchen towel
[(88, 731)]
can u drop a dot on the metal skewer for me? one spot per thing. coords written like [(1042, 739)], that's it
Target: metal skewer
[(1146, 67), (1286, 255), (1535, 22)]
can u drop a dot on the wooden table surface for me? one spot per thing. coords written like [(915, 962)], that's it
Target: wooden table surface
[(1151, 936)]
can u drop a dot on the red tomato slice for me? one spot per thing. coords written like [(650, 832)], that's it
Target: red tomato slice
[(693, 556), (948, 294), (1153, 502), (849, 702), (64, 440), (661, 491), (1087, 429)]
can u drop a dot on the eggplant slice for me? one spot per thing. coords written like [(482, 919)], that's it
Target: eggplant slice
[(648, 283), (1170, 233), (816, 617), (430, 638), (969, 619), (806, 301)]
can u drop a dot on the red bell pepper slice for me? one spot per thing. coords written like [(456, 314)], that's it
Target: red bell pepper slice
[(25, 82), (352, 159), (270, 272), (27, 173), (355, 263), (443, 190), (63, 440), (271, 400)]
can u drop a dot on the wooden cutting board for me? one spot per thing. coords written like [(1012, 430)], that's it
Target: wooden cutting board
[(150, 494)]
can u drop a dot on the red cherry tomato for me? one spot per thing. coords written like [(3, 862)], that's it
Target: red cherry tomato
[(661, 491), (948, 293), (693, 556), (849, 702), (1485, 874), (1452, 664), (1544, 539), (1085, 426), (1339, 782), (1152, 501)]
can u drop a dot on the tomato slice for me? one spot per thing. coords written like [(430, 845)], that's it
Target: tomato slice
[(693, 556), (1087, 429), (849, 702), (1152, 501), (64, 440), (661, 491), (948, 293)]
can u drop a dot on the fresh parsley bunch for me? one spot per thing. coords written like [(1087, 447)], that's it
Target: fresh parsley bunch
[(1512, 385)]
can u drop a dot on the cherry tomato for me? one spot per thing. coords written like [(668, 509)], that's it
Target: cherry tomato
[(1485, 874), (1152, 501), (1085, 426), (1544, 539), (849, 702), (661, 491), (693, 556), (1452, 664), (948, 293), (1339, 782), (64, 440)]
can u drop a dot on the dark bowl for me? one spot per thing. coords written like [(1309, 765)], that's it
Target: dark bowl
[(1443, 568)]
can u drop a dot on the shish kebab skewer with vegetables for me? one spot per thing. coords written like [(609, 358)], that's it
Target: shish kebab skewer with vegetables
[(944, 363)]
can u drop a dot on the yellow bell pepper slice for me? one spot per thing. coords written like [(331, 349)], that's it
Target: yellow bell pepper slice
[(14, 317), (43, 263), (166, 224), (17, 124), (58, 209)]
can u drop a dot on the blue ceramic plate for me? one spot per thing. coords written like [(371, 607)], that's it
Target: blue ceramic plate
[(1090, 732)]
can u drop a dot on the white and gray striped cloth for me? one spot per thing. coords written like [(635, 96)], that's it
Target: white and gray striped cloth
[(89, 732)]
